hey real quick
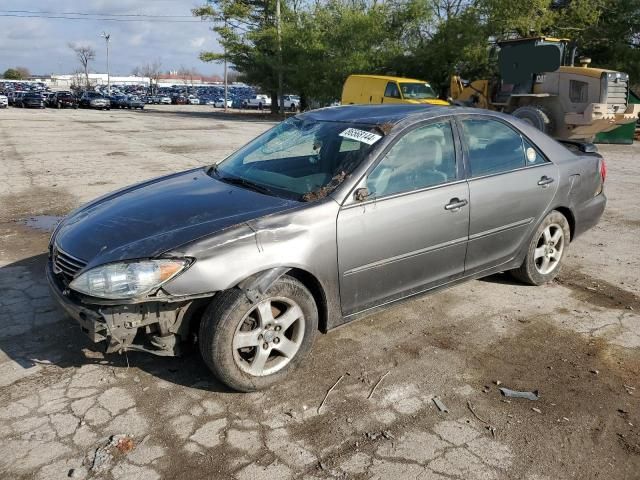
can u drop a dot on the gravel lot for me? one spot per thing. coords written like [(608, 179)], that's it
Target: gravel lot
[(576, 340)]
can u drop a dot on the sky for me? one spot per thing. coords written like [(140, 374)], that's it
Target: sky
[(42, 44)]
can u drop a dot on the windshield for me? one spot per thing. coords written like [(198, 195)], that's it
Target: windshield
[(303, 160), (418, 91)]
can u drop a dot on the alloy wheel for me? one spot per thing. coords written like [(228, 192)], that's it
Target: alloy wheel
[(549, 249), (269, 336)]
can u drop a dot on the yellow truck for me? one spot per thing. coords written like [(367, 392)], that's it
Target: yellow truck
[(367, 89)]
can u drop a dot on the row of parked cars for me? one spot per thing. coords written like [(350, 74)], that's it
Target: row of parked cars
[(99, 98), (67, 99)]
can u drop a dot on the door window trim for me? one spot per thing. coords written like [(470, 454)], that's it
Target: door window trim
[(465, 146), (460, 171)]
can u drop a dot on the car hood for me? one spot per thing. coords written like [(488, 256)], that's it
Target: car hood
[(146, 220)]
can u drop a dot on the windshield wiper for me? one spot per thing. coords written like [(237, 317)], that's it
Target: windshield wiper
[(242, 182)]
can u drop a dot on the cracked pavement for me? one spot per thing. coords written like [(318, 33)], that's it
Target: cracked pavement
[(576, 340)]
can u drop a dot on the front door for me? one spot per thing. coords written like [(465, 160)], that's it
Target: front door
[(411, 233), (511, 185)]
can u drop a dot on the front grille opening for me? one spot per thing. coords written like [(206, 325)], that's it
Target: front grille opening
[(66, 265)]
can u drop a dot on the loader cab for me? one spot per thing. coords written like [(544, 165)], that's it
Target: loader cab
[(523, 64)]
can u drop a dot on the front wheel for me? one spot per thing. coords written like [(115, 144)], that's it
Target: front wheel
[(546, 250), (250, 346)]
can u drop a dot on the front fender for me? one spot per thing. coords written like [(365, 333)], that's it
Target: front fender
[(303, 239)]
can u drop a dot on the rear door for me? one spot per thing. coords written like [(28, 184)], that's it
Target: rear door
[(411, 233), (511, 185)]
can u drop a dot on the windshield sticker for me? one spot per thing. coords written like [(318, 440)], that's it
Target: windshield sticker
[(361, 136)]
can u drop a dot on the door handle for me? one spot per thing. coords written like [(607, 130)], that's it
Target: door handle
[(544, 181), (455, 204)]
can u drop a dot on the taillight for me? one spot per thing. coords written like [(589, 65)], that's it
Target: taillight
[(603, 170)]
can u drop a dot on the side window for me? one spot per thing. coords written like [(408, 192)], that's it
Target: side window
[(392, 90), (422, 158), (493, 146), (578, 91)]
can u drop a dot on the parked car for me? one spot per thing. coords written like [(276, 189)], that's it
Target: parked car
[(94, 100), (165, 100), (291, 102), (134, 101), (219, 103), (14, 97), (118, 101), (193, 100), (179, 100), (62, 99), (256, 254), (257, 101), (4, 101), (30, 100)]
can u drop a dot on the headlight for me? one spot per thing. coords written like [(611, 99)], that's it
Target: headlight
[(127, 280)]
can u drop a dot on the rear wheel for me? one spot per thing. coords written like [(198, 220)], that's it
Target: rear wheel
[(537, 116), (250, 346), (546, 250)]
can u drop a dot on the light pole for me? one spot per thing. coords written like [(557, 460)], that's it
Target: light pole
[(107, 37)]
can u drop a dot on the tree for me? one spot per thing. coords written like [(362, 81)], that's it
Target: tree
[(613, 41), (13, 74), (247, 32), (152, 71), (85, 54)]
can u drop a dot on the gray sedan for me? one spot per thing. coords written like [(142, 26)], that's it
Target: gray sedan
[(329, 216)]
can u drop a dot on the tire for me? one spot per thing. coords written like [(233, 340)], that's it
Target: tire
[(231, 310), (536, 116), (542, 243)]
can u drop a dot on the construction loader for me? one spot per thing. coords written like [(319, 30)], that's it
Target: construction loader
[(539, 83)]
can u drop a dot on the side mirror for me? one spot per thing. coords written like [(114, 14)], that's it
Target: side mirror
[(361, 194)]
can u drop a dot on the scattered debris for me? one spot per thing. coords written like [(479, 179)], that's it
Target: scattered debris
[(537, 410), (101, 459), (124, 444), (103, 455), (326, 190), (492, 429), (441, 406), (469, 404), (385, 128), (42, 362), (382, 434), (498, 382), (516, 394), (629, 389), (328, 392), (376, 385), (594, 371)]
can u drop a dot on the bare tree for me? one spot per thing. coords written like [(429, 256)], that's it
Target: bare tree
[(76, 79), (85, 54), (152, 72), (187, 74)]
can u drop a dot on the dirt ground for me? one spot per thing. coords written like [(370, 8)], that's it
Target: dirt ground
[(576, 341)]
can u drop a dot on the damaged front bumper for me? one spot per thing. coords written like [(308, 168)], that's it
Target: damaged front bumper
[(157, 327)]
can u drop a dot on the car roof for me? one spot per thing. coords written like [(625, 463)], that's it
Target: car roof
[(376, 114)]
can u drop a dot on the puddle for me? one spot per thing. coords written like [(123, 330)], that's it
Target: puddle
[(44, 223)]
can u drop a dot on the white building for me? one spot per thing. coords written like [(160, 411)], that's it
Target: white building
[(66, 81)]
